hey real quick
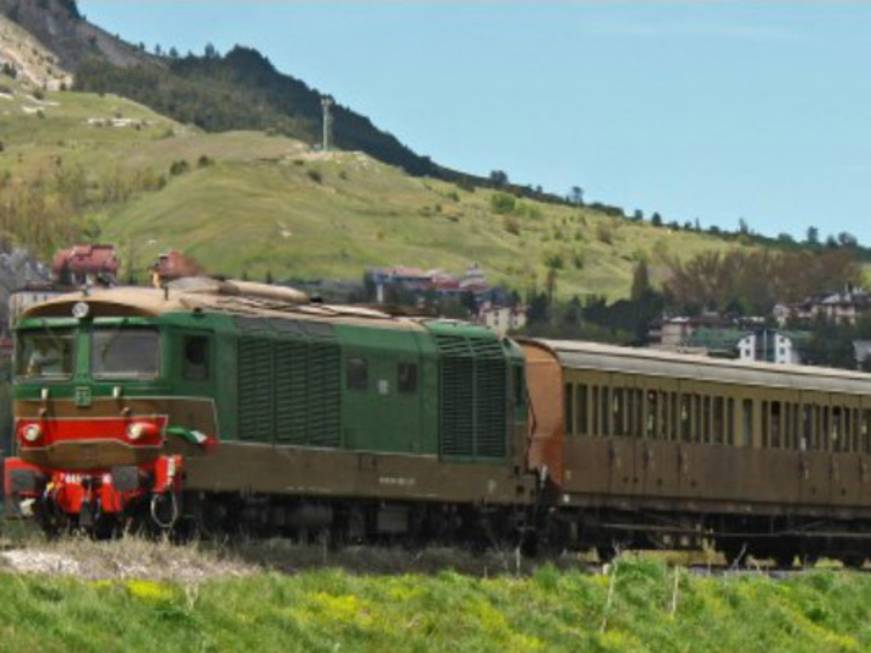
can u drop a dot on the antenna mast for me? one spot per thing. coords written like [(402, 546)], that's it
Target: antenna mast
[(326, 105)]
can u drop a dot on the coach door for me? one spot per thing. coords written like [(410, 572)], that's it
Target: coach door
[(846, 411), (622, 408), (864, 452), (814, 463), (657, 450), (587, 444)]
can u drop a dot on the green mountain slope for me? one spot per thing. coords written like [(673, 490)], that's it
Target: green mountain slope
[(269, 203)]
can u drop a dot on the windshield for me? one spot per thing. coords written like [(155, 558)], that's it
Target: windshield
[(129, 353), (44, 354)]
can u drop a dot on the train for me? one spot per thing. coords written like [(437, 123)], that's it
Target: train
[(214, 405)]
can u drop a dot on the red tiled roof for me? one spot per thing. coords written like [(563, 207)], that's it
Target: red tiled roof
[(175, 265), (86, 259)]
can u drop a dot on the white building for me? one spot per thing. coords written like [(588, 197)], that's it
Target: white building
[(502, 319), (771, 346)]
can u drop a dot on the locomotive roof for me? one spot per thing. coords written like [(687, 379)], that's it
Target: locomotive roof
[(127, 301), (634, 360)]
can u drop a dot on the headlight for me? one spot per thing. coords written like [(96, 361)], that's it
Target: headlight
[(136, 430), (31, 432)]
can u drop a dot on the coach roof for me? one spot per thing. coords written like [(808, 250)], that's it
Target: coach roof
[(649, 362)]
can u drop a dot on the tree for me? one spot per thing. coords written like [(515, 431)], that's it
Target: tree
[(576, 196), (846, 239), (158, 51), (173, 53), (656, 219), (499, 178), (640, 281), (813, 236), (638, 215), (743, 227), (210, 51)]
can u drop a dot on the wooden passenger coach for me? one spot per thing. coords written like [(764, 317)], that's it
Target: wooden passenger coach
[(643, 430)]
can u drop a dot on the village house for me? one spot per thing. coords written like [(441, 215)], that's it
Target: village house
[(502, 319), (840, 307), (173, 265), (85, 265)]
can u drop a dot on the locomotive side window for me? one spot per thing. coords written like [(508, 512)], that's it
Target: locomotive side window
[(120, 353), (357, 371), (195, 361), (406, 378)]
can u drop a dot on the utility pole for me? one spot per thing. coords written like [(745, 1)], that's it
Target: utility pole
[(326, 105)]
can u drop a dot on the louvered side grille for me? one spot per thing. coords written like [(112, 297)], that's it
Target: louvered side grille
[(255, 372), (324, 396), (291, 372), (473, 395)]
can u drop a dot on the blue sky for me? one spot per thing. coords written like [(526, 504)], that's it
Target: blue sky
[(709, 110)]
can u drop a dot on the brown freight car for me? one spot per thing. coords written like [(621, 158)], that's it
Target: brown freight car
[(651, 449)]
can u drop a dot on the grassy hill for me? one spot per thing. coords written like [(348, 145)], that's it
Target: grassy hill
[(268, 203), (639, 606)]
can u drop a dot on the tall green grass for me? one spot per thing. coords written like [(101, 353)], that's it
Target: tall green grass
[(641, 605)]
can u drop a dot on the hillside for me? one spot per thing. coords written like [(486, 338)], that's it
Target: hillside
[(270, 203)]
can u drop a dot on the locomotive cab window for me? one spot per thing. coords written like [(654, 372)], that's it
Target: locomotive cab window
[(357, 373), (125, 353), (195, 358), (406, 378), (44, 354)]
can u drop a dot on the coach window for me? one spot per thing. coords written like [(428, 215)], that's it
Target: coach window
[(617, 411), (406, 378), (685, 418), (766, 423), (595, 429), (357, 372), (581, 409), (673, 419), (730, 421), (746, 422), (719, 420), (837, 432), (697, 418), (776, 426), (866, 431), (195, 362), (606, 411), (652, 414), (568, 398)]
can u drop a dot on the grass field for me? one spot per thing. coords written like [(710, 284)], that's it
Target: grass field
[(267, 203), (639, 605)]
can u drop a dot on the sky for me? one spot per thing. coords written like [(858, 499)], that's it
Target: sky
[(710, 110)]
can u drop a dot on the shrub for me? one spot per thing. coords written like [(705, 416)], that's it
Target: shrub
[(512, 226), (502, 203), (204, 161), (605, 233), (453, 195), (178, 167), (554, 262), (315, 176)]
